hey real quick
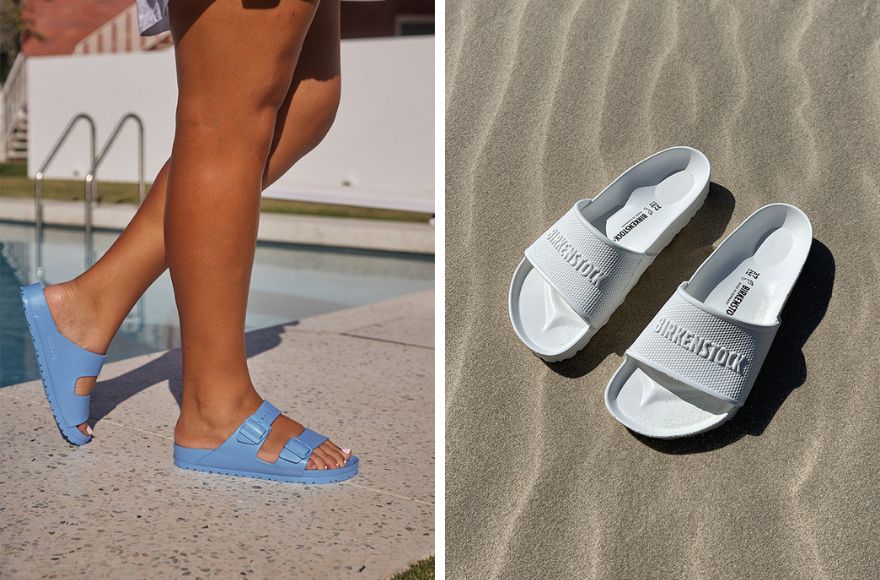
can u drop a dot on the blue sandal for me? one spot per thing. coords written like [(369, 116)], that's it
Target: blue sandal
[(238, 455), (61, 364)]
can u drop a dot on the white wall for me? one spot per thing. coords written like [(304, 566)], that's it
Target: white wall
[(105, 87), (382, 142)]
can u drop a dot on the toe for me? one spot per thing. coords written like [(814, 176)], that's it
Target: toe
[(327, 461), (85, 429), (334, 453), (333, 461), (317, 460), (337, 452)]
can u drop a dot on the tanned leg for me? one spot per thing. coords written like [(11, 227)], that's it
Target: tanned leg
[(234, 69), (90, 308)]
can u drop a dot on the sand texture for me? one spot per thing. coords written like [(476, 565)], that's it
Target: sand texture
[(547, 102)]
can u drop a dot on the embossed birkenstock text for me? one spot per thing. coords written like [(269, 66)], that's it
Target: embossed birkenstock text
[(700, 346), (571, 255)]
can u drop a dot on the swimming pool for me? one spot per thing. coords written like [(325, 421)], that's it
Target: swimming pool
[(288, 283)]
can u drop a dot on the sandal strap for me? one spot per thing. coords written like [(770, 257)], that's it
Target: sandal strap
[(300, 448), (589, 271), (704, 349), (65, 361), (255, 429)]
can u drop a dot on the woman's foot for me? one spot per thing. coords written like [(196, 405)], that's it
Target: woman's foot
[(78, 320), (208, 426), (201, 425)]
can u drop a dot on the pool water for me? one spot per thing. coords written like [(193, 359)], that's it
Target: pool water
[(288, 283)]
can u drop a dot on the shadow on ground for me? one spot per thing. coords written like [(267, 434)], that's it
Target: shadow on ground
[(111, 393)]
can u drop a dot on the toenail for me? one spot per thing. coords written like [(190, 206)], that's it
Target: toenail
[(347, 451), (89, 429)]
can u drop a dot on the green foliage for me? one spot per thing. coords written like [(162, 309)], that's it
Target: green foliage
[(421, 570), (15, 183), (14, 27)]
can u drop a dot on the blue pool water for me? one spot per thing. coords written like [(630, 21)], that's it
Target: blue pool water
[(289, 283)]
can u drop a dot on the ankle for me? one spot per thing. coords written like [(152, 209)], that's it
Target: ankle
[(207, 418)]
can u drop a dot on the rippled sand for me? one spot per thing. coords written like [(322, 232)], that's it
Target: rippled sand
[(547, 102)]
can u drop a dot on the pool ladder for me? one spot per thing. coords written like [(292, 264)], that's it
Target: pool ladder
[(136, 317), (91, 181)]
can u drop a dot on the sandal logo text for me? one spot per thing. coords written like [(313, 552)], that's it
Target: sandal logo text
[(699, 346), (637, 219), (570, 254)]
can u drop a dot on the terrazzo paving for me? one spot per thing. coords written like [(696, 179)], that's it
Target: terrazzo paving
[(118, 507)]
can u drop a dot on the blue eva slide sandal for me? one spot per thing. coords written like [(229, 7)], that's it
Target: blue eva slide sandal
[(238, 456), (61, 363)]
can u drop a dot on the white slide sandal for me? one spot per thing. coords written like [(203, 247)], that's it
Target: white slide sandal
[(578, 272), (692, 368)]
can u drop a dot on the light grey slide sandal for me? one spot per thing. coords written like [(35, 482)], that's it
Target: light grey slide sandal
[(579, 271), (694, 365)]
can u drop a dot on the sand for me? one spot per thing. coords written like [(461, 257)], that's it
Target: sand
[(547, 102)]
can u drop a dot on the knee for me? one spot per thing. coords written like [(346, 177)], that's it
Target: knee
[(249, 117), (222, 133)]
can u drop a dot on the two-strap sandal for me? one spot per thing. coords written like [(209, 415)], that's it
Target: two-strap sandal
[(238, 455)]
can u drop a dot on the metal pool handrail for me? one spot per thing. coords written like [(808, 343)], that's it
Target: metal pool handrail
[(91, 182), (38, 182)]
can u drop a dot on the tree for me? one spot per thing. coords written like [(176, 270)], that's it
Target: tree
[(14, 27)]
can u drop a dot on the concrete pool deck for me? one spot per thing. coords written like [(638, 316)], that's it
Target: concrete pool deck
[(118, 507)]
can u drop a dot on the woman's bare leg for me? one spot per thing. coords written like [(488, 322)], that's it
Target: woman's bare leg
[(234, 70), (90, 309)]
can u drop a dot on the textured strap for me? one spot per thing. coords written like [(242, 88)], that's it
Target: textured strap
[(299, 448), (719, 356), (589, 272), (254, 430)]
